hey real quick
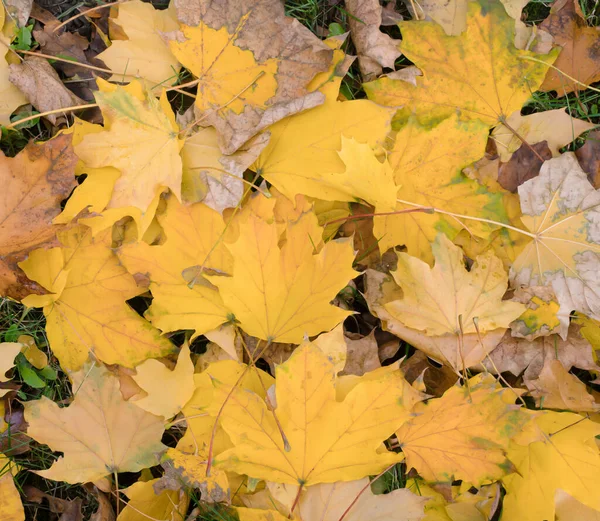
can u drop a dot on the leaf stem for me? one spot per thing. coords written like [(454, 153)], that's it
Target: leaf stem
[(87, 11), (47, 113), (468, 217)]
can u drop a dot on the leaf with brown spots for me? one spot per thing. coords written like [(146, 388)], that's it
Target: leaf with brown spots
[(34, 183)]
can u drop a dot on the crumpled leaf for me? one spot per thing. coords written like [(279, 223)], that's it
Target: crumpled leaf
[(167, 391), (556, 388), (517, 354), (35, 182), (447, 301), (457, 76), (283, 293), (306, 146), (560, 208), (42, 86), (556, 127), (183, 298), (99, 433), (556, 451), (543, 316), (254, 65), (10, 96), (144, 53), (144, 503), (374, 48), (86, 310), (140, 139), (328, 440), (579, 42)]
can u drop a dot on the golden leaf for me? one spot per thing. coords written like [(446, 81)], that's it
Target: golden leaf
[(144, 503)]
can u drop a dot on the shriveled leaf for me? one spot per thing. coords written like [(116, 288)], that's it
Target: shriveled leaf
[(557, 451), (183, 298), (167, 391), (556, 127), (143, 54), (140, 139), (579, 42), (283, 293), (328, 440), (560, 208), (374, 48), (253, 62), (99, 433), (458, 76), (35, 182), (464, 434), (556, 388), (523, 165), (144, 503), (86, 311)]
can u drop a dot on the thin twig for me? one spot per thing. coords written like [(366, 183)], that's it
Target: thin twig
[(87, 11), (47, 113)]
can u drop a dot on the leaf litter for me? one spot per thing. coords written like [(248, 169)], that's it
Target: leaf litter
[(268, 301)]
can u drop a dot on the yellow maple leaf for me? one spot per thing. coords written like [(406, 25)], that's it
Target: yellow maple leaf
[(140, 139), (167, 391), (86, 309), (327, 440), (253, 66), (556, 451), (464, 434), (479, 74), (283, 293), (10, 96), (11, 508), (144, 53), (99, 433), (183, 299), (427, 160), (144, 503), (561, 210), (543, 315)]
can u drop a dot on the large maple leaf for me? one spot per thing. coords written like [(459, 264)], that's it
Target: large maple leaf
[(35, 182), (99, 433), (329, 440), (140, 139), (283, 292), (479, 73), (86, 311), (253, 65), (561, 210)]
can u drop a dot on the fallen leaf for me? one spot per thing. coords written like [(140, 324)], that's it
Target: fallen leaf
[(374, 48), (18, 10), (142, 53), (330, 440), (556, 388), (523, 165), (40, 83), (517, 354), (132, 116), (253, 62), (588, 157), (283, 293), (560, 208), (567, 508), (464, 434), (70, 509), (451, 15), (555, 127), (8, 352), (11, 508), (362, 354), (10, 96), (556, 451), (580, 53), (437, 380), (99, 433), (144, 503), (177, 268), (35, 181), (105, 511), (35, 356), (450, 63), (543, 316), (86, 310)]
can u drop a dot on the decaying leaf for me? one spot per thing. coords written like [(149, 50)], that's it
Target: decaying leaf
[(99, 433), (253, 65), (543, 315), (560, 208), (86, 310), (374, 48), (35, 182), (523, 165), (580, 52), (464, 434), (328, 440), (143, 53), (589, 157), (42, 86)]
